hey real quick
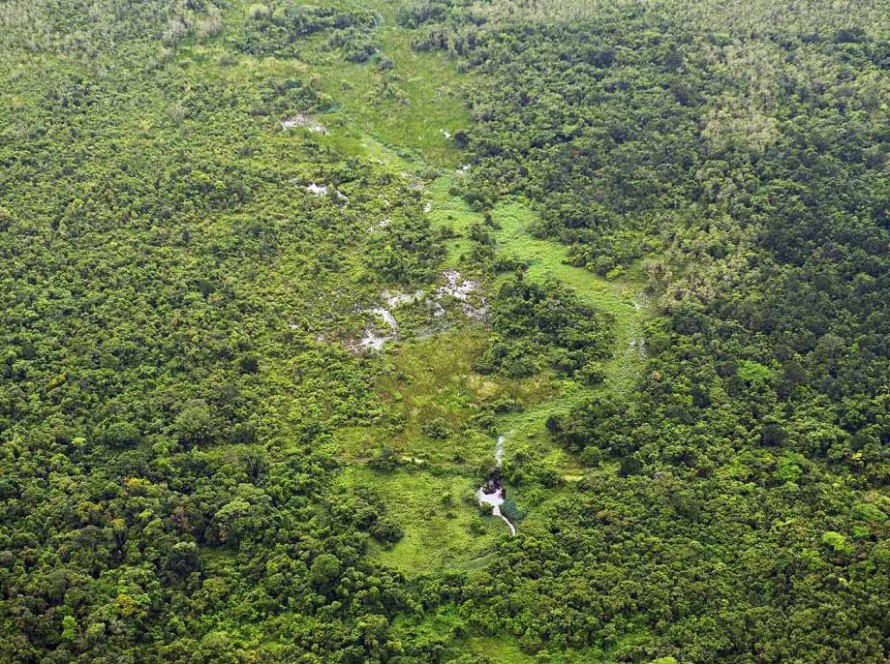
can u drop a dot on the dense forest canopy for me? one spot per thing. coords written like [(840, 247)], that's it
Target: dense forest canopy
[(283, 283)]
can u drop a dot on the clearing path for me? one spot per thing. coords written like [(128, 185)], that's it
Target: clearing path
[(414, 146), (623, 298)]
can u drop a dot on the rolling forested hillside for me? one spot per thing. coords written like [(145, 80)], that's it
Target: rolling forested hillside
[(283, 284)]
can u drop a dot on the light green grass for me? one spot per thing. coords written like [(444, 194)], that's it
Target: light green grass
[(396, 117), (406, 108), (452, 212), (436, 536), (432, 378), (548, 260), (500, 650)]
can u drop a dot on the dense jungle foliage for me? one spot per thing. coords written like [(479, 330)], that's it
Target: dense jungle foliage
[(275, 277)]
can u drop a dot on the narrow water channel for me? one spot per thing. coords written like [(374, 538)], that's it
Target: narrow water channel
[(492, 492)]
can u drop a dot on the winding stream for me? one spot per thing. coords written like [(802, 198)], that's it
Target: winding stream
[(492, 493)]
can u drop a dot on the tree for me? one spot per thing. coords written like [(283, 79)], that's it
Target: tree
[(195, 424)]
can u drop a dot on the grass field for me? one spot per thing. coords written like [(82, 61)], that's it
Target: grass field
[(424, 379), (399, 116), (437, 535), (408, 107)]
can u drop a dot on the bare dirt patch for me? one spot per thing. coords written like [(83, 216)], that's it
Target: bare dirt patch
[(304, 121)]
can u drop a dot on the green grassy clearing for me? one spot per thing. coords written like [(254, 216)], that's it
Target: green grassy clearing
[(547, 260), (452, 212), (621, 298), (502, 649), (436, 535), (408, 112), (499, 649), (399, 120), (432, 378)]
